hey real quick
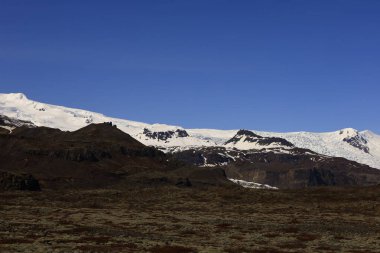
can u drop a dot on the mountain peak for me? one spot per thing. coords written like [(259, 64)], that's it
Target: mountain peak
[(247, 133), (245, 139), (348, 132)]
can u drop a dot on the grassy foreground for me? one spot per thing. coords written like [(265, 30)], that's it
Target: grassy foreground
[(170, 219)]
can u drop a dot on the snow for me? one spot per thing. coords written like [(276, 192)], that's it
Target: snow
[(218, 137), (10, 129), (332, 144), (228, 155), (252, 185), (17, 105)]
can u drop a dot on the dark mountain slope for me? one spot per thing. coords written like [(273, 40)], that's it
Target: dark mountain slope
[(99, 155), (295, 168)]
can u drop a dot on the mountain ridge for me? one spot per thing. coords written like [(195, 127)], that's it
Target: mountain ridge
[(359, 146)]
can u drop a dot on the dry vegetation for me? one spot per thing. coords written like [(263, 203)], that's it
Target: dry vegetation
[(169, 219)]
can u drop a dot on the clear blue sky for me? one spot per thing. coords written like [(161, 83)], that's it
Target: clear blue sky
[(284, 65)]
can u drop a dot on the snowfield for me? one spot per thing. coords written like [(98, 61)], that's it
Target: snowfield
[(17, 105)]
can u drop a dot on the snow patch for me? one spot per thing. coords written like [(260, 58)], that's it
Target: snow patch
[(252, 185)]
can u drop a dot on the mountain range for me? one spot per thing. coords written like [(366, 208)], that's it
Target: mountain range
[(359, 146), (60, 147)]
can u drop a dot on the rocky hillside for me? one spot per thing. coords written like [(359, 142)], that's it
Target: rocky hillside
[(96, 156), (7, 124), (298, 168)]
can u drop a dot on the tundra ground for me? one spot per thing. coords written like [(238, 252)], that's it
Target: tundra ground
[(172, 219)]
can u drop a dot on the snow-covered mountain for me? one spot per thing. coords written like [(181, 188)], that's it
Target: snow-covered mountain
[(362, 147)]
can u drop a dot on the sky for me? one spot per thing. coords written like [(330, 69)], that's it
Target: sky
[(275, 65)]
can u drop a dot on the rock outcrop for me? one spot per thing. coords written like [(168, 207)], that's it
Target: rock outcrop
[(22, 182)]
